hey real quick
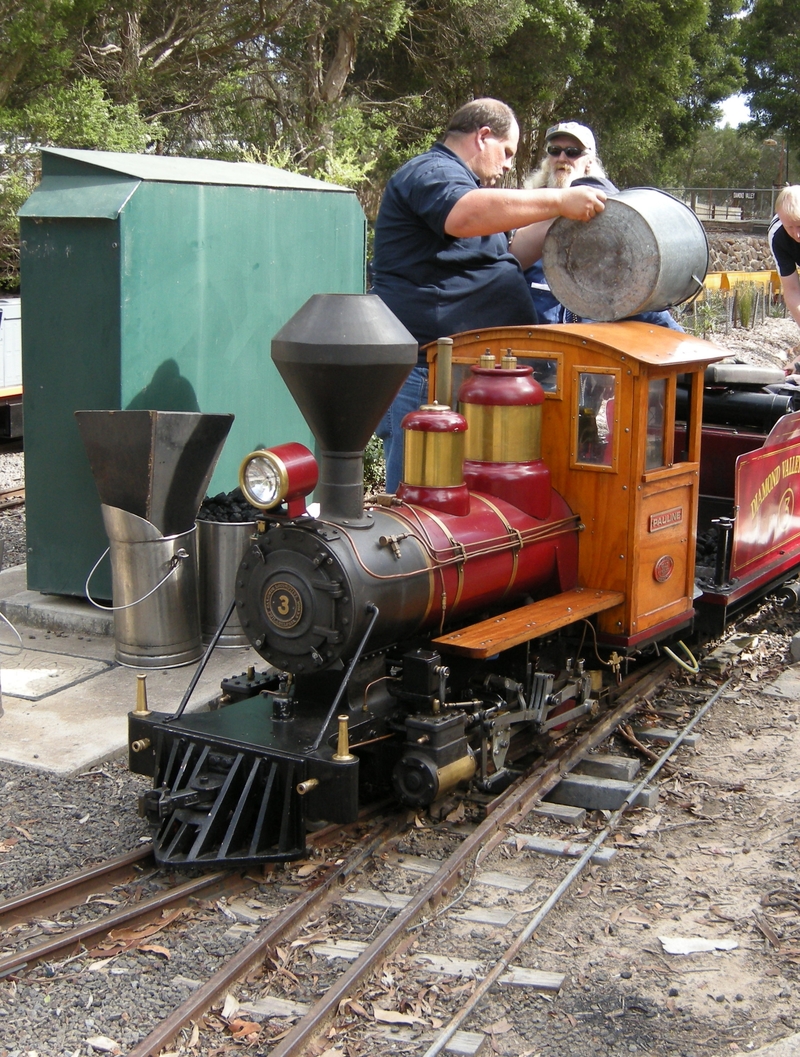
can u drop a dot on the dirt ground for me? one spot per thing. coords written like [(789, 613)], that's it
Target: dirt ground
[(775, 342), (717, 861)]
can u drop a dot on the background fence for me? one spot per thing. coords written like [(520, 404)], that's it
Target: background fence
[(729, 203)]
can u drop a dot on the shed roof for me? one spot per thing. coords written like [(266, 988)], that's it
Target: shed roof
[(166, 169)]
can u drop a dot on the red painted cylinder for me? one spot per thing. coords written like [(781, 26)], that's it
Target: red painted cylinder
[(497, 552)]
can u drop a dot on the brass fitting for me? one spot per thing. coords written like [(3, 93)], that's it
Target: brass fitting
[(343, 754), (141, 697)]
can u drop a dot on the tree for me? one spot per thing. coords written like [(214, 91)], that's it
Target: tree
[(652, 76), (770, 47)]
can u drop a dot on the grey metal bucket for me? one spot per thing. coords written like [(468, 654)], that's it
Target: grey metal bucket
[(221, 545), (645, 252), (155, 599)]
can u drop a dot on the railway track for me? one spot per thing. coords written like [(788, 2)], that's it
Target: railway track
[(401, 893), (12, 497)]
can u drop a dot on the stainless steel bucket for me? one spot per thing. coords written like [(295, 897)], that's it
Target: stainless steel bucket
[(645, 252), (154, 585), (221, 545)]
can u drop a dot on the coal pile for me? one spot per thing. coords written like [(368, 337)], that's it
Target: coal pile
[(228, 507)]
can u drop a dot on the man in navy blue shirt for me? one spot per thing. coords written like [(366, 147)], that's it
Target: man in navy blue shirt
[(442, 261), (784, 241)]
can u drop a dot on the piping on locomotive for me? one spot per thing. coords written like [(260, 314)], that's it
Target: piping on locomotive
[(429, 638)]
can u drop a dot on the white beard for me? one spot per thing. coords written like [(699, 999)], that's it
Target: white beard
[(560, 178)]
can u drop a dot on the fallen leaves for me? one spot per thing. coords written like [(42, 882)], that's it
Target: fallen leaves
[(391, 1016), (120, 940)]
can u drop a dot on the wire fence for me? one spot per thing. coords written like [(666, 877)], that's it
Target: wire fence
[(729, 203)]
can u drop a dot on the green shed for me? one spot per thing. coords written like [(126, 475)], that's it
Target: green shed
[(157, 283)]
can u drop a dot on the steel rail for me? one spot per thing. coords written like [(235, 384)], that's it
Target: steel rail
[(555, 896), (521, 799), (524, 794), (68, 891), (11, 497), (130, 914), (252, 953)]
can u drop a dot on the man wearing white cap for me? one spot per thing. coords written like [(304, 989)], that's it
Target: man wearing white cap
[(570, 153), (571, 160)]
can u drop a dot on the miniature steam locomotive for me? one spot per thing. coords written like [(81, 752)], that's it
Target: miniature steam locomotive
[(429, 638)]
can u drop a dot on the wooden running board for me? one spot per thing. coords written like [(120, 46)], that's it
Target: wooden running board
[(496, 634)]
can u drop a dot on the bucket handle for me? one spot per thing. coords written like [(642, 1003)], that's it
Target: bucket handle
[(179, 556), (697, 292), (19, 647)]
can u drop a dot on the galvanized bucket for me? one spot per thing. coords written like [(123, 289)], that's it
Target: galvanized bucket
[(221, 545), (154, 585), (645, 252)]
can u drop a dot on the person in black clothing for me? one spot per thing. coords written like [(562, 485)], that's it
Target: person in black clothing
[(784, 241), (443, 262)]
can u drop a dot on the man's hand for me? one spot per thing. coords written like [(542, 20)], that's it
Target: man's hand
[(582, 203)]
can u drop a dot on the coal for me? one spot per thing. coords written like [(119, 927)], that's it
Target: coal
[(228, 507)]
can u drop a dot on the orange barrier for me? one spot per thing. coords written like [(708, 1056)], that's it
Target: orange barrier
[(726, 281)]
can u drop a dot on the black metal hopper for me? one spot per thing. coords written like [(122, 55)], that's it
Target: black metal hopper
[(343, 357), (155, 464)]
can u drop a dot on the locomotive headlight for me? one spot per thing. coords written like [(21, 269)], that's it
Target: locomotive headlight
[(263, 480), (272, 476)]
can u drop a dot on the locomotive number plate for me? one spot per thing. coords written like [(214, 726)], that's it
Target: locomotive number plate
[(283, 604)]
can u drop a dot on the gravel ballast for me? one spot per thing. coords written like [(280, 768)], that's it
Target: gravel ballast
[(52, 826)]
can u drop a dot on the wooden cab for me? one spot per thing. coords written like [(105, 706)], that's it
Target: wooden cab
[(608, 437)]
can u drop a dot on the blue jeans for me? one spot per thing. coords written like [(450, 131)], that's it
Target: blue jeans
[(413, 393)]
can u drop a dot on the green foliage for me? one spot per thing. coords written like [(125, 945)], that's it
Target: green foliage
[(81, 116), (745, 304), (707, 317), (770, 47), (724, 157), (346, 90), (77, 115), (374, 466)]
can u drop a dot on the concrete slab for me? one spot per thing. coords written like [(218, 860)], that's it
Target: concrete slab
[(603, 765), (56, 613), (86, 723), (35, 674), (599, 794), (66, 699), (786, 686)]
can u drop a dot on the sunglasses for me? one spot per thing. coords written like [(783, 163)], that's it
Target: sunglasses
[(571, 152)]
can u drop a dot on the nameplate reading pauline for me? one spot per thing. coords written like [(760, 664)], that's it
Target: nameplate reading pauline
[(665, 519)]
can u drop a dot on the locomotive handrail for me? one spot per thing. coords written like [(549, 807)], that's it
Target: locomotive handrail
[(495, 545), (332, 710), (203, 662)]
